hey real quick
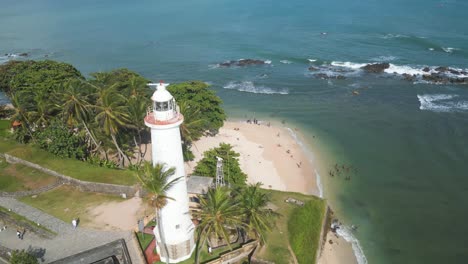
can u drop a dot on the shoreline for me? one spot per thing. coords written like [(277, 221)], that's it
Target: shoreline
[(268, 154), (277, 156)]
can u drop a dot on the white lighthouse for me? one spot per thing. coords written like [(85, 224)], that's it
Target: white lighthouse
[(164, 120)]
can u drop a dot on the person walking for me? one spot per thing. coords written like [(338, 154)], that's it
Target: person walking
[(18, 234), (74, 223)]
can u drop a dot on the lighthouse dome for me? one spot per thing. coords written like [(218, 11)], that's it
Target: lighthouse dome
[(165, 109), (161, 94)]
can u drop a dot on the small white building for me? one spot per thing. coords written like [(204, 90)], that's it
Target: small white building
[(164, 120)]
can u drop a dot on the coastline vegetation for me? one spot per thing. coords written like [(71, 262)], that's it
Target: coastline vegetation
[(97, 119)]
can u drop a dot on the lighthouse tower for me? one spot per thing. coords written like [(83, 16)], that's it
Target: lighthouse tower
[(164, 119)]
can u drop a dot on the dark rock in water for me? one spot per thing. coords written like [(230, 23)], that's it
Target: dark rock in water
[(242, 62), (441, 69), (327, 77), (441, 78), (376, 67), (311, 68), (426, 69), (452, 71), (321, 76), (409, 77), (24, 54)]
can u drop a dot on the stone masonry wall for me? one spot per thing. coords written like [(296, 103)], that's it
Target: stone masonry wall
[(84, 186)]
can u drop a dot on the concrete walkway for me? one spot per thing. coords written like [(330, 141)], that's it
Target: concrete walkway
[(68, 241)]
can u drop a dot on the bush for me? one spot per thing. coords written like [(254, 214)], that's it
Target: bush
[(22, 257), (58, 140)]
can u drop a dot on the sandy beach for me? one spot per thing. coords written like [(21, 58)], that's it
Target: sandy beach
[(269, 154), (336, 250)]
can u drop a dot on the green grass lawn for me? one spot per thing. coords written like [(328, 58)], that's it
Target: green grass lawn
[(17, 177), (304, 228), (73, 168), (66, 203), (70, 167), (144, 240), (276, 248)]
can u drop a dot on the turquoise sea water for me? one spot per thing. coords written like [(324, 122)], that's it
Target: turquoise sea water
[(408, 140)]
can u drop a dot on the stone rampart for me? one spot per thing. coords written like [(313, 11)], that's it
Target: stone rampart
[(84, 186)]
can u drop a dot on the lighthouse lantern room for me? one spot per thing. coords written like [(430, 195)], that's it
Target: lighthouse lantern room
[(176, 242)]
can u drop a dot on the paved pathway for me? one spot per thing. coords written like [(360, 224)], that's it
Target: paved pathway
[(68, 241)]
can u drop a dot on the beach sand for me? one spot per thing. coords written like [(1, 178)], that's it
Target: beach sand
[(269, 154), (337, 252), (109, 216)]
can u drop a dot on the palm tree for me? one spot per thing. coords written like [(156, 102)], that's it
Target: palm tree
[(257, 217), (137, 107), (40, 114), (73, 100), (137, 87), (219, 214), (111, 116), (192, 128), (156, 179), (21, 112)]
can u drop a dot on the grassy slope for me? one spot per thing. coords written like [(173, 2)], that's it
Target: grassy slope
[(66, 203), (74, 168), (17, 177), (276, 248), (70, 167), (304, 228)]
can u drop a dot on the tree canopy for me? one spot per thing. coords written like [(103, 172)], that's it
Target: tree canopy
[(232, 171), (35, 75), (198, 95), (105, 110), (22, 257)]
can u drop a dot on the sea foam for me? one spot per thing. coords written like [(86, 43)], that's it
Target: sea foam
[(441, 103), (249, 87), (347, 235), (348, 64), (404, 69)]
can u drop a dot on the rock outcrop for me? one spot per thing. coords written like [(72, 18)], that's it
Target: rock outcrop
[(242, 63), (376, 67)]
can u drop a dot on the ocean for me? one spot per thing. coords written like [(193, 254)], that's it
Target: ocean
[(406, 140)]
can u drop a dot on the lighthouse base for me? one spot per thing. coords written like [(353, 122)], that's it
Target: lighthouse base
[(177, 252)]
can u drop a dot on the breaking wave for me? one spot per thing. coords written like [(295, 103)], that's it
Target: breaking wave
[(441, 103), (250, 87), (347, 235), (449, 49), (347, 64), (418, 74)]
